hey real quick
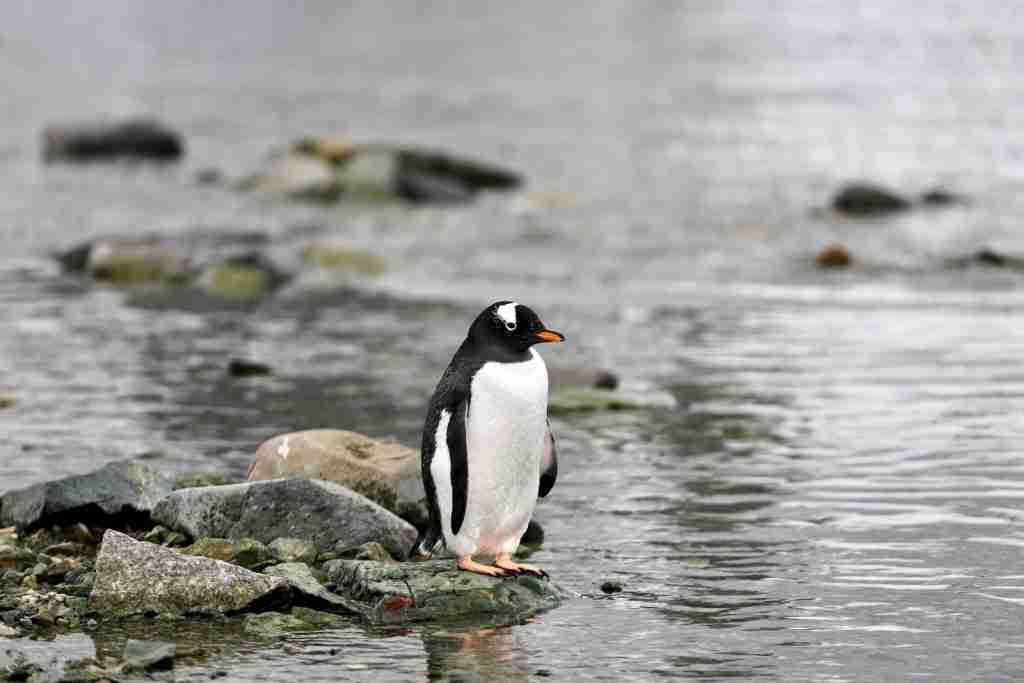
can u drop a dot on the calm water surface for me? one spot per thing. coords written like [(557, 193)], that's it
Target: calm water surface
[(838, 495)]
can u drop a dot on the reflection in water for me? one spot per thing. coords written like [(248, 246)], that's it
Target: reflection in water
[(476, 654)]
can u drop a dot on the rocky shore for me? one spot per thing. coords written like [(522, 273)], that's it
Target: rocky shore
[(276, 554)]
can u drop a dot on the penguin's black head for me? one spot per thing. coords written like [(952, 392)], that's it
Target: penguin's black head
[(511, 326)]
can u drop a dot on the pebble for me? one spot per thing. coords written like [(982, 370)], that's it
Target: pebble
[(612, 586), (834, 256)]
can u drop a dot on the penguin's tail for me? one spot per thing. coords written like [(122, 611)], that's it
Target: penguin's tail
[(426, 544)]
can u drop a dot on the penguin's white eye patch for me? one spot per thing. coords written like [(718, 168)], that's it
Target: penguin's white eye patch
[(507, 314), (510, 326)]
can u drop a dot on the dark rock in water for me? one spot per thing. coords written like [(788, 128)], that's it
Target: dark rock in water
[(133, 139), (117, 495), (417, 186), (438, 590), (148, 655), (275, 624), (591, 378), (834, 256), (320, 512), (612, 586), (988, 257), (386, 472), (134, 577), (244, 276), (7, 401), (866, 199), (938, 197), (307, 591), (245, 368), (470, 174)]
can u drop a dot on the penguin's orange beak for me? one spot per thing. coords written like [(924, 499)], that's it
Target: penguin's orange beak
[(549, 336)]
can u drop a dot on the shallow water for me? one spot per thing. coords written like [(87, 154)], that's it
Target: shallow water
[(837, 496)]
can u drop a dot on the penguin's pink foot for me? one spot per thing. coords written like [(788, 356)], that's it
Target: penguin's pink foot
[(468, 564), (505, 561)]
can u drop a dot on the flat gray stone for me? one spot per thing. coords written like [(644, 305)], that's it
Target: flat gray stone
[(438, 591), (117, 493), (307, 590), (148, 655), (134, 577), (320, 512)]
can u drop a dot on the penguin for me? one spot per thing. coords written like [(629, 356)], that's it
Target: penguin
[(487, 451)]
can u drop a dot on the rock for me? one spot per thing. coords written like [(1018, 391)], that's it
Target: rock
[(8, 631), (209, 176), (117, 495), (386, 472), (589, 400), (340, 257), (148, 655), (246, 368), (274, 624), (131, 139), (245, 276), (988, 257), (612, 586), (320, 512), (367, 551), (866, 199), (438, 590), (317, 618), (307, 590), (296, 176), (245, 552), (834, 256), (566, 378), (938, 197), (293, 550), (7, 401), (134, 577), (196, 479), (14, 557), (469, 174), (126, 260)]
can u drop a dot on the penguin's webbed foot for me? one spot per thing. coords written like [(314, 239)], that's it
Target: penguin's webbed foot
[(505, 561), (468, 564)]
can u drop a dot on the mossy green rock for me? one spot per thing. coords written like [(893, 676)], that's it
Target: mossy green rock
[(245, 552), (274, 624), (438, 591), (293, 550)]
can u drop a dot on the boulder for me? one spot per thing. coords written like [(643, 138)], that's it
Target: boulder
[(867, 199), (118, 495), (320, 512), (131, 139), (135, 577), (438, 590), (307, 590), (386, 472)]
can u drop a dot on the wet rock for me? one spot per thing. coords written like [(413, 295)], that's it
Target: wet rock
[(131, 139), (247, 368), (438, 590), (590, 378), (245, 552), (126, 260), (340, 257), (244, 276), (366, 551), (274, 624), (612, 586), (867, 199), (578, 400), (134, 577), (8, 631), (293, 550), (386, 472), (17, 558), (307, 590), (469, 175), (317, 618), (296, 176), (988, 257), (939, 197), (7, 401), (834, 256), (117, 495), (320, 512), (196, 479), (148, 655)]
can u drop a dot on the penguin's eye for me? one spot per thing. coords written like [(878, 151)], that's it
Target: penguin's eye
[(510, 326)]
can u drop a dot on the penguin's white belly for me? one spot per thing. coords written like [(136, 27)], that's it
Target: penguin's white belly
[(504, 441)]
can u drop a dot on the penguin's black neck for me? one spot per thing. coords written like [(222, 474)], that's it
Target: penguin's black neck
[(485, 349)]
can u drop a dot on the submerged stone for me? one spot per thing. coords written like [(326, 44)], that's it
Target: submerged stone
[(131, 139), (588, 400), (148, 655), (320, 512), (274, 624), (386, 472), (117, 495), (134, 577), (868, 199), (438, 590)]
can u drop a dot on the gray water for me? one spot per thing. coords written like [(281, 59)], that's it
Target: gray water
[(837, 496)]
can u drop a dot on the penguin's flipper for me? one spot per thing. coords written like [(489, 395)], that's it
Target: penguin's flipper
[(548, 464), (458, 456)]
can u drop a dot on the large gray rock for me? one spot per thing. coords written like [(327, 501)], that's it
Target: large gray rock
[(386, 472), (437, 590), (118, 494), (135, 139), (321, 512), (134, 577)]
